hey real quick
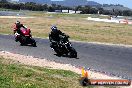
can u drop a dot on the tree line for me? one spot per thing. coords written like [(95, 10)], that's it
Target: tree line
[(100, 10), (31, 6), (51, 8)]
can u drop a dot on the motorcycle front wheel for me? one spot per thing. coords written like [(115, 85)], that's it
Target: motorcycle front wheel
[(73, 53), (22, 41), (33, 42)]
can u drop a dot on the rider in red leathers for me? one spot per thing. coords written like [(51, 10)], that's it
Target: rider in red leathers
[(16, 30)]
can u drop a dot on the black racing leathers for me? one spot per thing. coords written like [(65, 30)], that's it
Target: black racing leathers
[(54, 36)]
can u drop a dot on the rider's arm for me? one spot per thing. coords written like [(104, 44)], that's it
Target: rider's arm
[(59, 32), (14, 28), (14, 31), (23, 26), (50, 38), (63, 34)]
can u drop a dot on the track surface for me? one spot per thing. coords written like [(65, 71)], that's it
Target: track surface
[(112, 59)]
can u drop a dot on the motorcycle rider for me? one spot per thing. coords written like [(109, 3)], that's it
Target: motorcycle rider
[(16, 30), (54, 36)]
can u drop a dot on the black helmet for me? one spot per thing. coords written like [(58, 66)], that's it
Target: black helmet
[(54, 28), (17, 23)]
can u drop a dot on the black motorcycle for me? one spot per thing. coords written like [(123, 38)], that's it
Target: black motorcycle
[(64, 47)]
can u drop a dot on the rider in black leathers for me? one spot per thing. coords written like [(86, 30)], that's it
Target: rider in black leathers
[(54, 36)]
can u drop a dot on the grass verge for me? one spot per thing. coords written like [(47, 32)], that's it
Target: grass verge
[(15, 75)]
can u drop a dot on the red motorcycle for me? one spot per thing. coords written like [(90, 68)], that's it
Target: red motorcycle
[(25, 37)]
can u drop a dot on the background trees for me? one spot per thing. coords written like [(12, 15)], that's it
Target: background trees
[(51, 8)]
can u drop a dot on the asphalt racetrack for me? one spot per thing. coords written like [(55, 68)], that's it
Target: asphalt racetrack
[(116, 60)]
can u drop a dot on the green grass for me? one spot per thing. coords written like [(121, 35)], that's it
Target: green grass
[(15, 75)]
